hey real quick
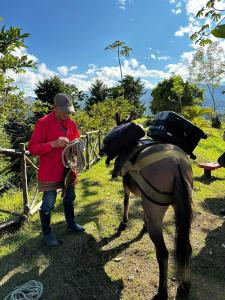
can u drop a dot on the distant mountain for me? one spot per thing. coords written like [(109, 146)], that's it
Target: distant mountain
[(220, 99)]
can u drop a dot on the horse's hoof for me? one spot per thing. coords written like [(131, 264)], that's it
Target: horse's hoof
[(122, 226), (183, 289), (157, 297)]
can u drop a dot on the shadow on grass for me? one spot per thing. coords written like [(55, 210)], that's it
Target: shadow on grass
[(87, 185), (207, 181), (208, 270), (75, 270), (214, 205)]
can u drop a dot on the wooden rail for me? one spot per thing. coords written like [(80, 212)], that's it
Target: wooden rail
[(92, 146)]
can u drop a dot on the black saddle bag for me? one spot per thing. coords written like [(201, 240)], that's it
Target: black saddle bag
[(121, 139), (171, 128)]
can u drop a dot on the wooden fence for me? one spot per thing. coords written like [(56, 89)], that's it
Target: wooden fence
[(92, 141)]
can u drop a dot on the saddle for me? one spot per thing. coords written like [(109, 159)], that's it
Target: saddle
[(128, 164), (131, 155)]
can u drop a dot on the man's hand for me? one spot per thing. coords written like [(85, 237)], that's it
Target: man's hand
[(60, 142)]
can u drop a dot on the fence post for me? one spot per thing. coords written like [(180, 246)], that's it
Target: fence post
[(23, 168), (99, 141), (87, 151)]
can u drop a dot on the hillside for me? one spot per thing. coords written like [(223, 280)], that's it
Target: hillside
[(220, 99), (101, 265)]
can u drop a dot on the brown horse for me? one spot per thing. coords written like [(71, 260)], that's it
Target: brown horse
[(166, 179)]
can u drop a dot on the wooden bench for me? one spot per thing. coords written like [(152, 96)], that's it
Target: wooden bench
[(208, 167)]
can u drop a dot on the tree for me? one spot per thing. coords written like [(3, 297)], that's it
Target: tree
[(122, 50), (102, 114), (207, 67), (99, 92), (10, 40), (12, 101), (178, 88), (213, 26), (48, 88), (195, 114), (174, 94), (133, 91)]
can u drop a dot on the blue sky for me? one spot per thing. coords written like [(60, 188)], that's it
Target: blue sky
[(67, 38)]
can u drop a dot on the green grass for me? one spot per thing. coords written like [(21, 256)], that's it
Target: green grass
[(100, 265)]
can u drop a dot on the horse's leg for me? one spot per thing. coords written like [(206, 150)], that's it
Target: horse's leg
[(154, 216), (123, 223), (144, 228)]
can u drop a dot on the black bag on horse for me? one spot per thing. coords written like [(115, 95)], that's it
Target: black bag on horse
[(121, 139), (170, 127), (221, 160)]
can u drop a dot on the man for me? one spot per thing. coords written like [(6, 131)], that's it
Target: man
[(51, 134)]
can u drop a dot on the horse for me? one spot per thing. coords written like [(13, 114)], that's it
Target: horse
[(166, 179)]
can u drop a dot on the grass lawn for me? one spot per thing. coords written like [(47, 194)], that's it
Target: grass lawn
[(98, 264)]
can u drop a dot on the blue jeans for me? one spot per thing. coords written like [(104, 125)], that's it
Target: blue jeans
[(49, 198)]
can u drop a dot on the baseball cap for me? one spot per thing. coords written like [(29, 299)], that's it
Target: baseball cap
[(64, 102)]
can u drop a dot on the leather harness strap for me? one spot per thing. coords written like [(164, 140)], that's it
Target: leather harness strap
[(146, 188)]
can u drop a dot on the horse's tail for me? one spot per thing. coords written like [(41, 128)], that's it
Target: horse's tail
[(183, 212)]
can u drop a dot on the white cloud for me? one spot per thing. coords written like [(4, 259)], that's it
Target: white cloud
[(43, 70), (63, 70), (110, 75), (157, 57), (23, 51), (134, 63), (182, 67), (122, 4), (27, 81), (164, 57), (73, 68), (192, 7), (92, 68), (78, 81), (188, 29), (176, 11)]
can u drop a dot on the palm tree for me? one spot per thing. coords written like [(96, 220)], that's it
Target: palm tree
[(122, 50)]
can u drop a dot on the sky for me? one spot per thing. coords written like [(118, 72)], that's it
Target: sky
[(68, 38)]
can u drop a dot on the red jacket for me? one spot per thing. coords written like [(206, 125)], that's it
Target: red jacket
[(48, 129)]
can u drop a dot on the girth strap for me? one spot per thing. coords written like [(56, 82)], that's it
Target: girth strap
[(146, 188)]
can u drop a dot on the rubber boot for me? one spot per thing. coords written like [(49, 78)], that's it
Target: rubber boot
[(49, 239), (70, 218)]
